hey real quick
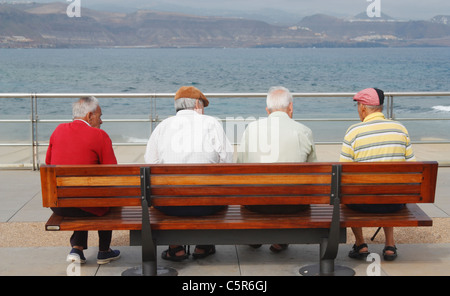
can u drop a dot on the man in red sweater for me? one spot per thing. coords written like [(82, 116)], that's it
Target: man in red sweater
[(83, 142)]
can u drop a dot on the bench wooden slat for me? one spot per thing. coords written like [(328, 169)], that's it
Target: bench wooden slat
[(98, 191), (236, 217), (98, 170), (377, 178), (381, 199), (99, 181), (241, 179), (99, 202), (373, 190), (250, 168), (240, 190), (386, 167), (242, 200)]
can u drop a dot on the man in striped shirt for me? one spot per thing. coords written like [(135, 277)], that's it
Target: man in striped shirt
[(375, 139)]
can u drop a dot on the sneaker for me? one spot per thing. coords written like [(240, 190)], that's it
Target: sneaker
[(76, 256), (106, 257)]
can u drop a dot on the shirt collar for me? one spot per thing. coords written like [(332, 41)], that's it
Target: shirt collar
[(186, 112), (374, 116), (278, 114), (82, 121)]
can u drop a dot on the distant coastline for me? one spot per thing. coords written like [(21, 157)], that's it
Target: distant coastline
[(36, 25)]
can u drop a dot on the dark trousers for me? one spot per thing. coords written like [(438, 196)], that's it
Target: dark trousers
[(278, 209), (190, 210), (80, 238), (381, 208)]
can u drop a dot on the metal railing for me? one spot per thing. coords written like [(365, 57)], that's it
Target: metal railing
[(34, 121)]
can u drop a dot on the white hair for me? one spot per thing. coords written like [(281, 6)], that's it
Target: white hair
[(83, 106), (278, 98), (186, 104)]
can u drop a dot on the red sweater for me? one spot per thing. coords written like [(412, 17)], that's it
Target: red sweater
[(79, 143)]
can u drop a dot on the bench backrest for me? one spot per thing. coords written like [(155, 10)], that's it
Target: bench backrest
[(287, 184), (238, 184), (389, 183), (91, 186)]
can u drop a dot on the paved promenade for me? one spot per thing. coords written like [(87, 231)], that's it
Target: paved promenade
[(26, 249)]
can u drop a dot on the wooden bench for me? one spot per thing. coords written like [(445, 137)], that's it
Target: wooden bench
[(133, 190)]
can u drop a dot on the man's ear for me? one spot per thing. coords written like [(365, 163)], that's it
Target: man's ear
[(88, 117), (291, 109), (198, 107)]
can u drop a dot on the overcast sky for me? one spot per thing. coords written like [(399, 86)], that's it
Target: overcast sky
[(404, 9)]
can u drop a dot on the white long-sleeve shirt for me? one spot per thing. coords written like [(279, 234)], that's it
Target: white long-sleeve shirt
[(189, 137)]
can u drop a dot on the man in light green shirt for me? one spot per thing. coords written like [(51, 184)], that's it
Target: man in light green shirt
[(277, 138)]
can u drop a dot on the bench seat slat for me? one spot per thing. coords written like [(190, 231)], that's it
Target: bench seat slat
[(318, 216)]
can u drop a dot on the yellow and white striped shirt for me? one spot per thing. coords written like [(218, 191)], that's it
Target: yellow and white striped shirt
[(377, 139)]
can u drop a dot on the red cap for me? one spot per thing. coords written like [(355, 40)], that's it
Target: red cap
[(370, 96)]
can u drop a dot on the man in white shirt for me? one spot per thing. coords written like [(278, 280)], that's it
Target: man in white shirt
[(277, 138), (189, 137)]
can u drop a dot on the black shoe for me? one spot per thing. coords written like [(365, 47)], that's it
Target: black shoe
[(390, 257), (170, 254), (106, 257), (356, 254), (208, 250)]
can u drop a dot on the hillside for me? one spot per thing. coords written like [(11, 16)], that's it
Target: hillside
[(47, 25)]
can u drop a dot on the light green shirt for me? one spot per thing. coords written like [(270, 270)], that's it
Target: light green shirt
[(277, 138)]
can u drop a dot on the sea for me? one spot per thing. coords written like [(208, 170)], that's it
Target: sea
[(225, 70)]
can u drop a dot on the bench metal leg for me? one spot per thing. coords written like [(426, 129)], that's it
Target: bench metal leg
[(329, 246), (149, 264), (326, 266)]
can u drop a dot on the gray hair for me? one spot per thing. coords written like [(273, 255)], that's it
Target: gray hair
[(83, 106), (278, 98), (186, 104), (378, 108)]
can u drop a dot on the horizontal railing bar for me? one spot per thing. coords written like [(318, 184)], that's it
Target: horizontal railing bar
[(103, 120), (212, 95), (35, 120), (14, 145), (234, 144), (224, 119), (15, 120)]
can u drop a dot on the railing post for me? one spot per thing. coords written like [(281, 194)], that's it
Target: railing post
[(34, 132), (390, 107)]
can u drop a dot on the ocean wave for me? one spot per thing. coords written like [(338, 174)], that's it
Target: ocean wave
[(442, 108)]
